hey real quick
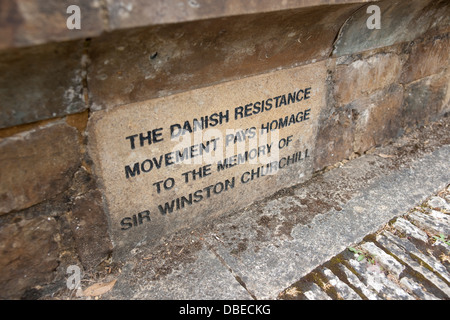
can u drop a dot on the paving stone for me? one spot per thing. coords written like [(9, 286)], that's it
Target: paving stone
[(428, 259), (341, 287), (383, 258), (354, 280), (388, 277), (426, 222), (415, 288), (408, 228), (375, 278), (196, 281), (439, 216), (387, 241), (316, 293), (438, 202)]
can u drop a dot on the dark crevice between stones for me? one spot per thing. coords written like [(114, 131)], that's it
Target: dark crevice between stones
[(236, 276)]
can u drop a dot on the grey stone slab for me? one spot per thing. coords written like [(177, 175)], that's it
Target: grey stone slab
[(411, 230), (428, 259), (386, 241), (316, 293), (354, 280), (415, 288), (427, 222), (341, 287), (381, 257), (439, 216), (375, 278), (206, 278), (438, 202)]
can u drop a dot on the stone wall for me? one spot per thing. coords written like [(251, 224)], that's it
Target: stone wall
[(380, 84)]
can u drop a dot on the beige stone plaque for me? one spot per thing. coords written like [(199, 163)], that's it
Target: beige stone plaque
[(173, 162)]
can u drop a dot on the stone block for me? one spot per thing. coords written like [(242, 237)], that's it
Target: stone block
[(335, 137), (426, 57), (37, 165), (426, 100), (177, 161), (138, 13), (41, 82), (401, 21), (26, 23), (378, 118), (144, 63), (365, 75), (28, 253), (90, 229)]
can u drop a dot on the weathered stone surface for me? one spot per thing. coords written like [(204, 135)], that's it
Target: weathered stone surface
[(426, 57), (134, 13), (344, 291), (90, 229), (411, 230), (41, 82), (367, 105), (429, 223), (365, 75), (37, 165), (28, 253), (196, 279), (377, 118), (384, 259), (439, 204), (139, 64), (401, 21), (397, 247), (364, 107), (24, 23), (132, 168), (426, 100), (335, 137)]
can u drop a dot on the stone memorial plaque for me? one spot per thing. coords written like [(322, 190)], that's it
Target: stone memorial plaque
[(173, 162)]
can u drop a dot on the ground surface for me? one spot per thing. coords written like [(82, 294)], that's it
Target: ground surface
[(389, 205)]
